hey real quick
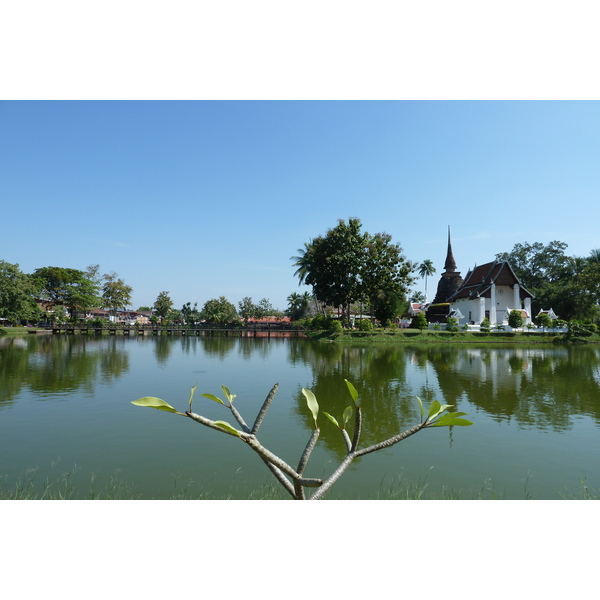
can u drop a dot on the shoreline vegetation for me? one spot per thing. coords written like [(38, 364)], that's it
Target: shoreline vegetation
[(407, 336)]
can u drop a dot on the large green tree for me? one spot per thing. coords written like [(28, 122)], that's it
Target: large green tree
[(16, 294), (346, 266), (74, 289), (219, 311)]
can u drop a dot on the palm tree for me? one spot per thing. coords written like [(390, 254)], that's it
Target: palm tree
[(303, 261), (425, 269), (594, 255)]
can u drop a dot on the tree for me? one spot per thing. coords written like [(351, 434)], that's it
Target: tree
[(190, 315), (263, 309), (163, 305), (418, 297), (515, 319), (569, 285), (385, 276), (298, 305), (425, 270), (219, 311), (115, 293), (16, 294), (247, 309), (543, 321), (346, 266), (293, 480), (76, 290)]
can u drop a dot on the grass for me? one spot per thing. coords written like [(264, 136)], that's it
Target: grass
[(64, 488)]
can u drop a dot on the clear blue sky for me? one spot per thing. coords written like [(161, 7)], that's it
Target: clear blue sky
[(212, 198)]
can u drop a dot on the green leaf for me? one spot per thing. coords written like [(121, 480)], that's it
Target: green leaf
[(451, 419), (352, 391), (152, 402), (332, 419), (192, 392), (228, 394), (213, 397), (227, 427), (347, 415), (421, 407), (437, 409), (313, 405), (433, 409)]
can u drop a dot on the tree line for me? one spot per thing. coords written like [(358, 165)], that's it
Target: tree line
[(347, 269)]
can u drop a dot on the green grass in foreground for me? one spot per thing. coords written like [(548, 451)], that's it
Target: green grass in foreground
[(63, 488)]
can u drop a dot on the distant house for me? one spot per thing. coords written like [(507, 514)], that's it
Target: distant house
[(415, 308)]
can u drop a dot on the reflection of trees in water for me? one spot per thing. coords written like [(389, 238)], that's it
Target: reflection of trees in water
[(539, 387), (261, 346), (379, 374), (55, 365), (218, 345)]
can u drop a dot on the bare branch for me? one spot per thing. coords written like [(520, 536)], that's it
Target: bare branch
[(357, 428), (239, 419), (393, 440), (263, 409)]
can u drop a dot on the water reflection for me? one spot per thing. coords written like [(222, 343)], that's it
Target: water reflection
[(58, 366)]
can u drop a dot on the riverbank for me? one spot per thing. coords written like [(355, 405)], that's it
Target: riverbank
[(432, 336)]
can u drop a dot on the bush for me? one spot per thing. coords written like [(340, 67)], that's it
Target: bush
[(319, 322), (336, 326), (419, 321), (365, 325), (485, 326), (515, 319), (452, 324)]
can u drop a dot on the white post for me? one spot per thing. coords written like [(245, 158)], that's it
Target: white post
[(516, 299), (493, 319)]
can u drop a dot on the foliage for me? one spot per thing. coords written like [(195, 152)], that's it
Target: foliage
[(346, 266), (570, 285), (298, 305), (163, 304), (365, 325), (74, 289), (336, 326), (219, 311), (515, 319), (292, 479), (16, 294), (387, 306), (115, 293), (452, 324), (426, 269), (543, 321), (190, 315), (485, 326), (419, 321), (319, 322)]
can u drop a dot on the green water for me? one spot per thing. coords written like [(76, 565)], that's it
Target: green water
[(65, 407)]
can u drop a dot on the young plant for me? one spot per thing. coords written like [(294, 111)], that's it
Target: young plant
[(293, 479)]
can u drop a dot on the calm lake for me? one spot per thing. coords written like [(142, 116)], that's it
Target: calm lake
[(65, 408)]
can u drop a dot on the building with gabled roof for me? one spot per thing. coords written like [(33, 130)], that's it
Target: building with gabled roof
[(491, 291)]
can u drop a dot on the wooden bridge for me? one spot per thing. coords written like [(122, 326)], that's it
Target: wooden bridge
[(272, 330)]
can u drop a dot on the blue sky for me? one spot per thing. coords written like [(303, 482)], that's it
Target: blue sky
[(211, 198)]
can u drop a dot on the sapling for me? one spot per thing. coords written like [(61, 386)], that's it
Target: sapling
[(293, 479)]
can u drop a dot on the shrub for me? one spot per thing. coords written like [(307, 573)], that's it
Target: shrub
[(515, 319), (365, 325), (485, 326), (336, 326), (452, 324), (419, 321), (319, 322)]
